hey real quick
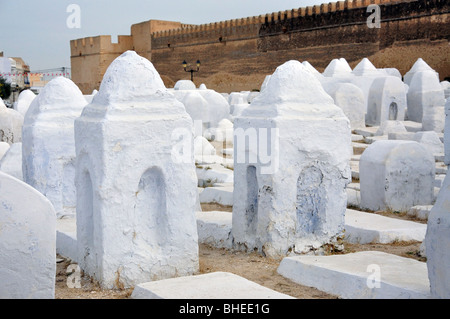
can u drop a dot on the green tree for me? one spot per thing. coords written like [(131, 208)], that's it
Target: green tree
[(5, 89)]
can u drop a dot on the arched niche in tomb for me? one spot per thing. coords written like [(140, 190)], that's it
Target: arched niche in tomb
[(151, 208), (393, 111), (387, 97), (251, 211), (309, 203)]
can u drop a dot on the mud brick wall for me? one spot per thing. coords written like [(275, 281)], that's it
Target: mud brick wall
[(237, 54)]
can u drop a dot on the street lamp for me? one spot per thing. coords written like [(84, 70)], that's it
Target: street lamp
[(191, 70)]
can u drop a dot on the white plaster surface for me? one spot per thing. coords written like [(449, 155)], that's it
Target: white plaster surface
[(391, 126), (214, 229), (221, 195), (11, 123), (366, 68), (48, 147), (431, 141), (420, 211), (66, 237), (418, 66), (4, 147), (447, 133), (214, 173), (365, 228), (386, 101), (137, 196), (437, 243), (27, 242), (352, 276), (396, 175), (425, 101), (11, 163), (216, 285), (337, 67), (313, 153), (184, 85), (351, 100), (24, 101)]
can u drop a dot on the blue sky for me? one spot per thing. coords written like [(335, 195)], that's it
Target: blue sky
[(37, 30)]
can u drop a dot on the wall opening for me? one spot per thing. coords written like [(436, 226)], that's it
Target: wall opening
[(393, 111), (151, 220), (251, 206), (310, 200)]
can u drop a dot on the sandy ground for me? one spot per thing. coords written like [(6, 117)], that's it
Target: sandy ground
[(252, 266)]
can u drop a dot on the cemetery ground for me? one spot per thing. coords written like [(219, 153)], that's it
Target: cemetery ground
[(252, 266)]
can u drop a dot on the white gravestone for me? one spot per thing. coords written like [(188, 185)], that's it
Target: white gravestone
[(24, 101), (396, 175), (136, 196), (386, 101), (437, 241), (426, 101), (27, 242), (11, 123), (48, 146), (290, 177), (11, 163), (350, 99)]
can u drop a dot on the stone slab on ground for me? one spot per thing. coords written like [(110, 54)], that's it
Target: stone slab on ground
[(439, 157), (353, 186), (354, 166), (222, 195), (361, 275), (357, 138), (66, 237), (214, 228), (373, 139), (364, 228), (367, 131), (412, 126), (208, 174), (438, 179), (406, 136), (441, 168), (353, 197), (216, 285), (420, 211)]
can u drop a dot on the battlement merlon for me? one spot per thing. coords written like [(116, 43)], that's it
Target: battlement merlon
[(182, 29), (100, 44)]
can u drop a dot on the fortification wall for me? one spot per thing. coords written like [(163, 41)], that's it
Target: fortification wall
[(90, 57), (253, 47), (141, 33), (244, 50), (344, 33)]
